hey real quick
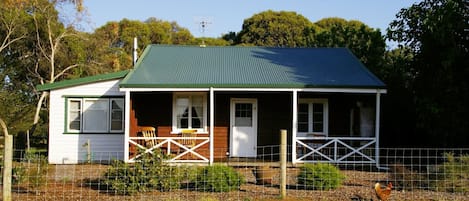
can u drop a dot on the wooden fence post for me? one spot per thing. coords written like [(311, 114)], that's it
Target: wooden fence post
[(7, 162), (283, 163)]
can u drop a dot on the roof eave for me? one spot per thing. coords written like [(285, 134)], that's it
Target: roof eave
[(254, 87), (82, 81)]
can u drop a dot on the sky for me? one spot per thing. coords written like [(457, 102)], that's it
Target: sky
[(224, 16)]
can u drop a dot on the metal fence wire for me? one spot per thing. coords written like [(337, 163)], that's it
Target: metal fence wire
[(415, 174)]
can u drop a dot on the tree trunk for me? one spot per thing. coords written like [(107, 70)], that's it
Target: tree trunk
[(38, 110)]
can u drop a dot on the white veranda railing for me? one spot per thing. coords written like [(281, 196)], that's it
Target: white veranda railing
[(335, 149), (173, 147)]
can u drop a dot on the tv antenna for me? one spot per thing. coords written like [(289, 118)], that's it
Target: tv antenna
[(203, 24)]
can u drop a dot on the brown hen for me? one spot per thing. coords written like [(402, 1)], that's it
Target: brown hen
[(383, 193)]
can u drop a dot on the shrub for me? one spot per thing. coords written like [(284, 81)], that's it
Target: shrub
[(166, 178), (218, 178), (452, 175), (404, 178), (18, 174), (36, 169), (124, 179), (150, 172), (32, 171), (321, 176)]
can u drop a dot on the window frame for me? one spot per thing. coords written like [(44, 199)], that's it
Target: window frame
[(68, 111), (122, 115), (82, 101), (190, 95), (311, 102)]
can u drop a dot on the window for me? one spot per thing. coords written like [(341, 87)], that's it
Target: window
[(95, 115), (74, 115), (117, 114), (243, 114), (189, 111), (312, 116)]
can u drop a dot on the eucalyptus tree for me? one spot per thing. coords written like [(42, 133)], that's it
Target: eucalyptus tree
[(15, 21), (113, 42), (274, 29), (160, 31), (437, 34), (50, 34), (14, 101)]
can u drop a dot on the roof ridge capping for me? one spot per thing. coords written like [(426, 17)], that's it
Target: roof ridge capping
[(82, 80)]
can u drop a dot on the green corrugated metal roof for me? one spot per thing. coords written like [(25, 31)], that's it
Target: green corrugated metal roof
[(246, 67), (81, 81)]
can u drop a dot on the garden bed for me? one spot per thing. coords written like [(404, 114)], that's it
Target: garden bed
[(79, 182)]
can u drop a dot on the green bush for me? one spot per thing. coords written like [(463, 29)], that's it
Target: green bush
[(452, 175), (36, 169), (125, 179), (218, 178), (167, 178), (148, 173), (31, 171), (18, 174), (320, 176)]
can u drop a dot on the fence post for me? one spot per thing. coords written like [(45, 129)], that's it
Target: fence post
[(7, 162), (283, 163)]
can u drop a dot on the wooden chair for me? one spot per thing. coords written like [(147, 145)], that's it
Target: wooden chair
[(188, 138), (149, 132)]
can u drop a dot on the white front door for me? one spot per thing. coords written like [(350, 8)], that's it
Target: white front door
[(243, 141)]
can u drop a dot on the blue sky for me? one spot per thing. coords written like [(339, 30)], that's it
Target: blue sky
[(228, 15)]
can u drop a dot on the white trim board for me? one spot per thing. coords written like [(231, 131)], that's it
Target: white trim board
[(330, 90)]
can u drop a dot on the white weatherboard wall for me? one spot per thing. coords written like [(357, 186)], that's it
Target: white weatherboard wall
[(68, 148)]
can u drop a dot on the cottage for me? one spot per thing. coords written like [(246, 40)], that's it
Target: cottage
[(209, 104)]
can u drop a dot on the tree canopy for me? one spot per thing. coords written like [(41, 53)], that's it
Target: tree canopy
[(289, 29), (113, 42), (274, 29), (436, 32)]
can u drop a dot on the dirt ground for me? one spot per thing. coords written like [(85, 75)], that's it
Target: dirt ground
[(73, 182)]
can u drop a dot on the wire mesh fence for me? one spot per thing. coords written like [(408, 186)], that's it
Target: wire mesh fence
[(415, 173)]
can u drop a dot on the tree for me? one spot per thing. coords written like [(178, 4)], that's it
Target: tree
[(50, 34), (113, 42), (13, 22), (211, 41), (13, 30), (16, 109), (366, 43), (231, 37), (160, 31), (436, 32), (274, 29), (180, 35), (398, 108)]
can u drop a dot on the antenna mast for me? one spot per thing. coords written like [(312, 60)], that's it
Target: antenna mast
[(203, 23)]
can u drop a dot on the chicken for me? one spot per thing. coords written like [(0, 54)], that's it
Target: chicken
[(383, 193)]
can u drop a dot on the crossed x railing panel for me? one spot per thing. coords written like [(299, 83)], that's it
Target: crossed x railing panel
[(168, 144), (334, 149)]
